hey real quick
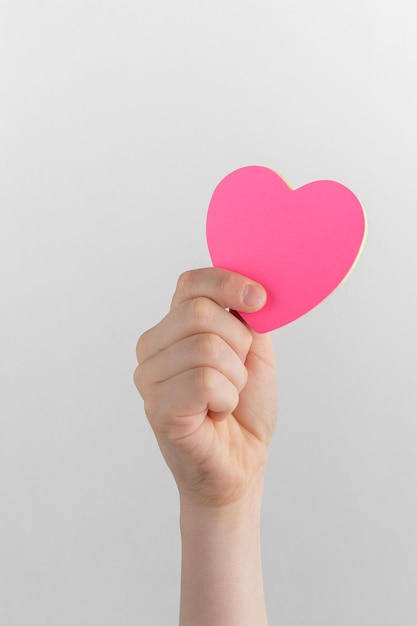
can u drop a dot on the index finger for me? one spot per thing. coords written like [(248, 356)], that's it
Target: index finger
[(228, 289)]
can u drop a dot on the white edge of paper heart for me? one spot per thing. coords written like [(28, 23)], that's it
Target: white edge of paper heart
[(365, 234)]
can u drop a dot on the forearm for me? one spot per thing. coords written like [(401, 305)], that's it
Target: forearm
[(221, 576)]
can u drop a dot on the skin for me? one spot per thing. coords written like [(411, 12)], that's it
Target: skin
[(209, 388)]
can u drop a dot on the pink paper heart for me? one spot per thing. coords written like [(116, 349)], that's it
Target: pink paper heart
[(299, 244)]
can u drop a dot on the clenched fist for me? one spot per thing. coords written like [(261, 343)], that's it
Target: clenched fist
[(209, 387)]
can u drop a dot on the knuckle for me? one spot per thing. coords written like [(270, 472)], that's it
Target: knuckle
[(209, 347), (138, 379), (141, 346), (201, 312), (207, 379), (185, 281)]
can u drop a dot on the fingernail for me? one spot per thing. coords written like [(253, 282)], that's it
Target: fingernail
[(253, 296)]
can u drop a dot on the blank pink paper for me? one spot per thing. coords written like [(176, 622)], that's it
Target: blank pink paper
[(300, 244)]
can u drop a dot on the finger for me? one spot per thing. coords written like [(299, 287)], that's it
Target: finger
[(261, 345), (193, 317), (203, 350), (228, 289), (177, 407)]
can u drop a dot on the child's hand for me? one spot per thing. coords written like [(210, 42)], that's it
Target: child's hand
[(209, 386)]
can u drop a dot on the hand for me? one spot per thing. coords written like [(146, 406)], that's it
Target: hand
[(209, 387)]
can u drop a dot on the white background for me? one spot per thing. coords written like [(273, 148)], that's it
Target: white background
[(117, 120)]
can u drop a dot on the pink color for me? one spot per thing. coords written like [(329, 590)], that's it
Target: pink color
[(299, 244)]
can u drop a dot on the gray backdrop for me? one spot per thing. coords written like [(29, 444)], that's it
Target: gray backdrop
[(117, 120)]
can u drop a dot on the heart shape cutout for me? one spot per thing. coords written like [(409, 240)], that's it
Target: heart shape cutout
[(300, 244)]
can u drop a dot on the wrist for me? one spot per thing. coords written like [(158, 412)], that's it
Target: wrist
[(239, 515), (221, 578)]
